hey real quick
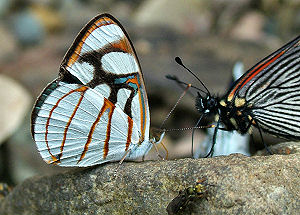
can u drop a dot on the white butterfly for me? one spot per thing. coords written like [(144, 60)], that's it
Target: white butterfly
[(97, 109)]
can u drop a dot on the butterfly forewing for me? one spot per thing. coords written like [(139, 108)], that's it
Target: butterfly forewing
[(271, 91), (97, 108), (103, 57)]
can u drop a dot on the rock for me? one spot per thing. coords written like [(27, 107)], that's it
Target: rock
[(15, 101), (188, 18), (77, 13), (9, 47), (239, 185), (4, 7), (249, 27), (27, 28), (285, 148), (226, 13), (51, 19)]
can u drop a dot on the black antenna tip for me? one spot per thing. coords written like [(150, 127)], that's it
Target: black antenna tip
[(178, 60)]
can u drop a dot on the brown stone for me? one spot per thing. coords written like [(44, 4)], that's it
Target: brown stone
[(241, 185)]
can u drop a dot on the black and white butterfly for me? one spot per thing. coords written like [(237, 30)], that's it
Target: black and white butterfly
[(267, 97)]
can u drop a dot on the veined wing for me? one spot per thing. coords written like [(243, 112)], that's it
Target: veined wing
[(76, 126), (97, 109), (103, 58), (272, 88)]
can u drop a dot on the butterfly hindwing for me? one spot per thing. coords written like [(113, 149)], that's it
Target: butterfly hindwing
[(97, 109)]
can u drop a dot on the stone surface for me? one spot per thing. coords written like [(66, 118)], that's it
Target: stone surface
[(284, 148), (240, 185), (15, 101), (188, 18), (250, 27), (9, 47), (27, 28)]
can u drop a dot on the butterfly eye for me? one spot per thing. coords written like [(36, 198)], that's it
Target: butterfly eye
[(211, 103)]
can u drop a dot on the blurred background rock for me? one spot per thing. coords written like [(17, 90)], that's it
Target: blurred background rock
[(209, 35)]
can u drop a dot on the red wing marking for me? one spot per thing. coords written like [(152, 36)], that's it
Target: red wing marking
[(130, 124), (253, 73), (107, 105), (101, 22), (82, 90)]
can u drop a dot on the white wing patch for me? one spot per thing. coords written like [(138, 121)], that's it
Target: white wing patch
[(83, 71), (103, 89), (101, 37), (119, 63), (123, 95)]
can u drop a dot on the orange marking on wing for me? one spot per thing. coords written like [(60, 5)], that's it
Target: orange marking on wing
[(101, 22), (107, 105), (108, 129), (135, 81), (124, 45), (252, 74), (54, 159), (143, 127), (130, 125)]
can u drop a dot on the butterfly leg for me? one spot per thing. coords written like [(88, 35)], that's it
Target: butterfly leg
[(210, 153), (121, 161), (193, 132), (266, 146), (165, 148), (157, 151)]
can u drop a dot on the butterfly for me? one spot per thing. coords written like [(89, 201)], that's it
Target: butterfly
[(266, 97), (97, 109)]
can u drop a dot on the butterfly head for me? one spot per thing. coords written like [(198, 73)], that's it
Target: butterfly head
[(206, 105)]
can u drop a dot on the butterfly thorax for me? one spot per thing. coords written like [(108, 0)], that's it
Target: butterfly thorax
[(235, 115)]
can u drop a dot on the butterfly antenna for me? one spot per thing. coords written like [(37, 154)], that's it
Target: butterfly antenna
[(179, 61), (173, 108), (175, 78), (189, 128)]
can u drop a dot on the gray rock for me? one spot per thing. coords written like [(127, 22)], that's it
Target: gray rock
[(188, 18), (15, 102), (9, 47), (250, 27), (284, 148), (4, 6), (27, 28), (241, 185)]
